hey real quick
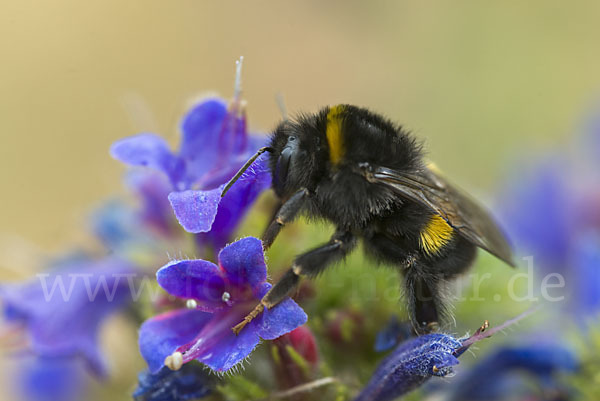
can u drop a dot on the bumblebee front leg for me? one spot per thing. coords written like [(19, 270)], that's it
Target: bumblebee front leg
[(309, 264), (286, 213)]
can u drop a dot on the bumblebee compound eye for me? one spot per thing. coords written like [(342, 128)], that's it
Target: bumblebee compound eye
[(282, 167), (283, 162)]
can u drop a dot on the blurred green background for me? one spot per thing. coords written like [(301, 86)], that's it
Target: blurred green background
[(476, 80)]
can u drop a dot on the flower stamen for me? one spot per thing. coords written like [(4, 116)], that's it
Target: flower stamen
[(484, 326), (237, 89), (174, 361)]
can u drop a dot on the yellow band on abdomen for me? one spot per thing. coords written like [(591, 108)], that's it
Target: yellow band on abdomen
[(435, 235)]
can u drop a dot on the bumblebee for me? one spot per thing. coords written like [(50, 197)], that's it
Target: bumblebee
[(368, 177)]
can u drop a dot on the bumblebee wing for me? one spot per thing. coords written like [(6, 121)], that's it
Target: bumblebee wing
[(460, 211)]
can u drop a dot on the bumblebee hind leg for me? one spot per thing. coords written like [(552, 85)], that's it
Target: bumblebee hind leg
[(422, 288), (426, 283), (424, 296)]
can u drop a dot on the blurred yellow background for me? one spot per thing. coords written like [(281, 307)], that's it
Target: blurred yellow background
[(475, 79)]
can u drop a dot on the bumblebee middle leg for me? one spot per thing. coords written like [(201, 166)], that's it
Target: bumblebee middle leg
[(309, 264)]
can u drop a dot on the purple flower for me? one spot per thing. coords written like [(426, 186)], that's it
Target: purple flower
[(191, 382), (59, 314), (416, 360), (214, 145), (410, 365), (527, 370), (552, 212), (222, 296)]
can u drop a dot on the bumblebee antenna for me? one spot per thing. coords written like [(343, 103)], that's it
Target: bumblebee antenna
[(244, 168)]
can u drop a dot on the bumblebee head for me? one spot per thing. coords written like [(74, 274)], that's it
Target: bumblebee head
[(295, 157)]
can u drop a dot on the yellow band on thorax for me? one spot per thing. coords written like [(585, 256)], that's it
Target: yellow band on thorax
[(435, 235), (334, 133)]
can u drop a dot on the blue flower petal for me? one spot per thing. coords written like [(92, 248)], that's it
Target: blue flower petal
[(148, 150), (493, 376), (195, 279), (236, 203), (244, 263), (584, 276), (440, 362), (230, 350), (535, 211), (51, 379), (201, 128), (161, 335), (217, 346), (220, 349), (196, 210), (283, 318)]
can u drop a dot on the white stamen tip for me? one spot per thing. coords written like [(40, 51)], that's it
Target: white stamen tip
[(226, 296), (174, 361), (237, 90), (191, 304)]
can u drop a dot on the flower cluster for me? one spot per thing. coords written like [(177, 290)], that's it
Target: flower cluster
[(55, 318), (61, 312), (185, 315), (221, 297), (552, 211), (214, 145), (54, 321)]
